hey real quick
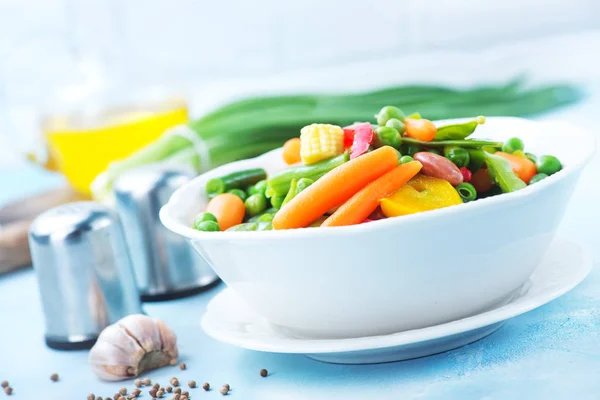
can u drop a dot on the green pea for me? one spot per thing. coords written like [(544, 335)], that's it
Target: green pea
[(406, 159), (512, 145), (537, 177), (261, 187), (388, 137), (203, 217), (387, 113), (466, 191), (531, 157), (266, 217), (251, 190), (434, 151), (208, 226), (255, 204), (459, 156), (410, 149), (239, 193), (396, 124), (548, 165)]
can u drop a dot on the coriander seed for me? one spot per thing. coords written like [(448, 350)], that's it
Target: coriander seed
[(185, 393), (192, 384), (147, 381), (224, 390), (8, 390), (176, 396), (206, 386), (264, 372), (226, 385), (152, 392), (91, 397), (156, 386), (177, 390), (123, 391), (116, 396), (169, 389), (54, 377), (174, 381), (4, 384), (136, 392), (138, 383), (182, 366), (122, 398)]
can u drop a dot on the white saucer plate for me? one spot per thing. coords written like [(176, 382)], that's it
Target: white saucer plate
[(229, 320)]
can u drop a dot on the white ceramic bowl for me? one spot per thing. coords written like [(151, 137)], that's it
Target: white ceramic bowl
[(400, 273)]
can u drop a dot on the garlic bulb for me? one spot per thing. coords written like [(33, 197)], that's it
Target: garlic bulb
[(132, 345)]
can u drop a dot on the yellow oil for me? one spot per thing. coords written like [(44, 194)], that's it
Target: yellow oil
[(81, 147)]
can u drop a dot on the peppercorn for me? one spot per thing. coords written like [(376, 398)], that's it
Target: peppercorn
[(136, 392), (138, 383), (156, 386), (152, 392), (117, 396), (185, 393), (176, 396), (182, 366), (147, 381), (224, 390), (54, 377), (184, 398), (91, 397), (206, 386), (4, 384), (160, 394), (264, 372), (99, 398), (169, 389), (123, 391), (192, 384), (8, 390), (226, 385), (122, 398), (174, 381), (177, 390)]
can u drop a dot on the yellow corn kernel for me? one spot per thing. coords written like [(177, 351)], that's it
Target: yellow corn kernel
[(320, 141)]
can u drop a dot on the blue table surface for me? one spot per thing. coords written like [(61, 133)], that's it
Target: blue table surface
[(550, 353)]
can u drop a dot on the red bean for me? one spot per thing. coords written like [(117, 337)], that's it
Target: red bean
[(440, 167)]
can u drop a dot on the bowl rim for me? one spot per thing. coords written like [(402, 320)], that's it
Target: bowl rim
[(174, 225)]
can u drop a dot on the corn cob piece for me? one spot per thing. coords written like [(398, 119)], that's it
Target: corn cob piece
[(320, 141)]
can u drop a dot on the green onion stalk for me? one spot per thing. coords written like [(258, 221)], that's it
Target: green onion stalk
[(252, 126)]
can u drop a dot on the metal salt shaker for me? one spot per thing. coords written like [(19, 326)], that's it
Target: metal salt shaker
[(84, 273), (166, 266)]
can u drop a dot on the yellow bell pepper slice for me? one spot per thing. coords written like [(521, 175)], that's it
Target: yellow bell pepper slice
[(422, 193)]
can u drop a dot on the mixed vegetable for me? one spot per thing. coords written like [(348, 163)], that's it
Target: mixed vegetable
[(340, 176)]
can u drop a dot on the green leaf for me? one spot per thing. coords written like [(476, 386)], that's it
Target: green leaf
[(458, 131), (501, 172)]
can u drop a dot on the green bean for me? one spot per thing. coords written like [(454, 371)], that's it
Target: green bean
[(466, 191), (277, 201), (279, 183), (255, 204), (468, 143), (235, 180)]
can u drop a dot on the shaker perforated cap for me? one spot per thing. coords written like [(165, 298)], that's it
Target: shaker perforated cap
[(84, 272)]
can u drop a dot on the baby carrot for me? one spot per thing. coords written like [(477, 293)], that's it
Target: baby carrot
[(421, 129), (228, 208), (335, 188), (363, 203), (291, 151), (522, 166)]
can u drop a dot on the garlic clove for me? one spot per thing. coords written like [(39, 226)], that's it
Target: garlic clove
[(134, 344)]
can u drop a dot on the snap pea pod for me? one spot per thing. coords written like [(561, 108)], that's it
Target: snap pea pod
[(469, 143), (502, 173), (235, 180), (279, 184), (257, 218), (458, 131), (477, 159)]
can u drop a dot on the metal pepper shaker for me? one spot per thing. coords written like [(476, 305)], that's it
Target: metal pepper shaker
[(166, 266), (84, 273)]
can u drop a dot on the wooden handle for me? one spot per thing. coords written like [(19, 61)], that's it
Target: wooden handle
[(14, 246), (30, 207)]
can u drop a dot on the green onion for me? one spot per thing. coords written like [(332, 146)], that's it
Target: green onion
[(252, 126), (466, 191)]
